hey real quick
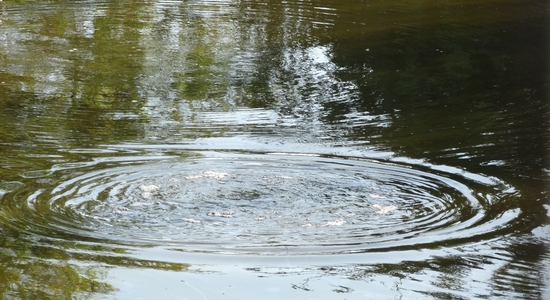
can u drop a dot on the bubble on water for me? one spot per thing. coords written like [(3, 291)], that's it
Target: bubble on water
[(382, 210), (336, 223), (149, 188)]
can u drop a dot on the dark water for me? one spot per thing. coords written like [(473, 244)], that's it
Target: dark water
[(275, 149)]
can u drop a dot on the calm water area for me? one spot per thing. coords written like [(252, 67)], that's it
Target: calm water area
[(243, 149)]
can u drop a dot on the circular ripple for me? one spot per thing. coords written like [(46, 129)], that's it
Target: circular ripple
[(260, 203)]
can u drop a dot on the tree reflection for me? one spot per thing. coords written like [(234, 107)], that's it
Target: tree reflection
[(26, 274), (54, 269), (450, 80), (85, 58)]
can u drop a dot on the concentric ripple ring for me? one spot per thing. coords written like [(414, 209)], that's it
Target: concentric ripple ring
[(256, 203)]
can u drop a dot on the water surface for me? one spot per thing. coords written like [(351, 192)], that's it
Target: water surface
[(294, 149)]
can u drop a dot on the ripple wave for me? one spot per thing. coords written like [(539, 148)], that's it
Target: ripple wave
[(260, 203)]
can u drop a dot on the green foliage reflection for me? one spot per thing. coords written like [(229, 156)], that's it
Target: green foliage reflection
[(54, 269), (24, 275)]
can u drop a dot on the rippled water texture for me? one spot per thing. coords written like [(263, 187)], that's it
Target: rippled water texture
[(258, 202), (274, 150)]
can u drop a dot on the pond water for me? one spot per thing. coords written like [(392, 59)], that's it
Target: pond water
[(274, 149)]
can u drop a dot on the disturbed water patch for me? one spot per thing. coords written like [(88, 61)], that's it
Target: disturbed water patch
[(261, 203)]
